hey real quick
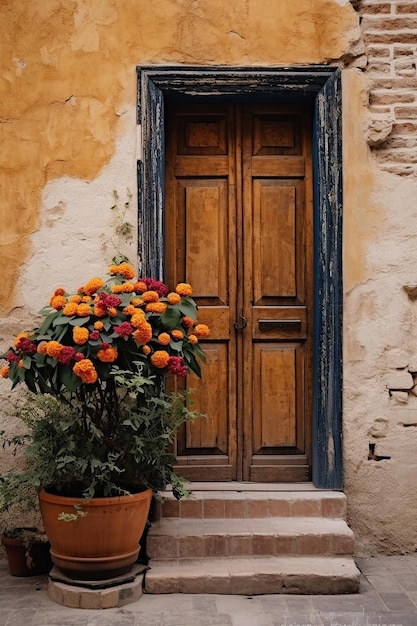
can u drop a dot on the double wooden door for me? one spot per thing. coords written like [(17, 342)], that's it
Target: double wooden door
[(239, 228)]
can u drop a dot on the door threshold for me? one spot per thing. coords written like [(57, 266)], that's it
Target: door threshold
[(256, 487)]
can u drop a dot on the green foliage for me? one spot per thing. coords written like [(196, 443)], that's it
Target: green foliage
[(68, 448)]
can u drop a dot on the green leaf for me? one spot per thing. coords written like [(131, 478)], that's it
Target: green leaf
[(47, 322), (69, 379), (79, 321), (188, 307), (27, 362), (192, 363), (62, 319), (171, 318), (176, 345)]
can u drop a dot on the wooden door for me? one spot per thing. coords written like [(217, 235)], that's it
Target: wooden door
[(239, 229)]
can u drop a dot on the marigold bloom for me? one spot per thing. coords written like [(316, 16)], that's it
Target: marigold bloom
[(129, 310), (42, 347), (146, 350), (20, 364), (136, 301), (164, 339), (201, 330), (109, 355), (160, 359), (94, 335), (18, 338), (59, 292), (140, 286), (150, 296), (92, 286), (124, 288), (87, 299), (66, 354), (83, 310), (53, 349), (86, 371), (124, 329), (70, 309), (80, 335), (112, 311), (100, 310), (184, 289), (143, 334), (156, 307), (124, 269), (98, 325), (58, 302), (187, 322), (137, 319), (177, 334), (77, 299), (26, 346), (4, 371), (192, 339), (174, 298)]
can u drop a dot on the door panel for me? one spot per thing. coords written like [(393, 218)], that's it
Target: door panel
[(239, 229)]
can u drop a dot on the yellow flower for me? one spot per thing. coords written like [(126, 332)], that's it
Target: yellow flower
[(53, 349), (156, 307), (160, 359), (164, 339), (86, 371), (174, 298), (70, 309), (143, 334), (4, 371), (98, 325), (107, 355), (83, 310), (124, 269), (177, 334), (92, 286), (184, 289), (42, 347), (58, 302), (150, 296), (80, 335), (193, 339), (201, 330)]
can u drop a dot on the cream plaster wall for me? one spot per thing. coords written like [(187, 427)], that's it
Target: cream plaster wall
[(68, 136)]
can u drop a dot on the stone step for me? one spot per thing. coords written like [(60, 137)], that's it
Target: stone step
[(175, 538), (247, 504), (254, 575)]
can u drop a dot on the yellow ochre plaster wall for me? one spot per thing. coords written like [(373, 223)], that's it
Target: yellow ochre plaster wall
[(68, 75)]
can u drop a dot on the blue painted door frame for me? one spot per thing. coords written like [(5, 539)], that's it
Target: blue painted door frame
[(323, 85)]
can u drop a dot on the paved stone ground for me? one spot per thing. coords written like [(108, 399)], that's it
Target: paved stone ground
[(388, 596)]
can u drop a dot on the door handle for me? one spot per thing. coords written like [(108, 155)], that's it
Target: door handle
[(281, 324), (239, 326)]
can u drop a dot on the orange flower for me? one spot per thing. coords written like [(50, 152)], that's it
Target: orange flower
[(58, 302), (143, 334), (92, 286), (187, 322), (99, 311), (150, 296), (140, 286), (59, 292), (164, 339), (156, 307), (193, 339), (98, 325), (86, 371), (112, 311), (42, 347), (201, 330), (83, 310), (184, 289), (4, 371), (137, 319), (70, 309), (20, 364), (160, 359), (19, 337), (53, 349), (124, 269), (146, 350), (87, 299), (174, 298), (136, 301), (107, 355), (177, 334), (130, 310), (80, 335), (77, 299)]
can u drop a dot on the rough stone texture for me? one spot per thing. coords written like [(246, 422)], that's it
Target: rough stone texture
[(84, 598)]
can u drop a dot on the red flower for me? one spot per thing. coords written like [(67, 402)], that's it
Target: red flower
[(94, 335), (67, 353), (11, 356), (26, 346), (176, 366), (156, 285), (124, 329)]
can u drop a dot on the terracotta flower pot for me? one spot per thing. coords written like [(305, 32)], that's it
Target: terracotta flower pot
[(94, 539), (27, 560)]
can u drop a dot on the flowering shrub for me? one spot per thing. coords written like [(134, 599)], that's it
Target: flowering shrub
[(98, 421), (117, 323)]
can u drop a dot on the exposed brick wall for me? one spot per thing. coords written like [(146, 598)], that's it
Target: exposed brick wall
[(389, 32)]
